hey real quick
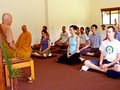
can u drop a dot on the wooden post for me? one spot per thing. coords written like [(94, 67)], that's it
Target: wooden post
[(2, 78)]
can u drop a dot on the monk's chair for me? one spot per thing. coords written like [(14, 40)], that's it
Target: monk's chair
[(17, 64)]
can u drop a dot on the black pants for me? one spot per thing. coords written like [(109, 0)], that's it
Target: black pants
[(71, 60)]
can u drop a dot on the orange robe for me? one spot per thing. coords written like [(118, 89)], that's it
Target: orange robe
[(23, 45)]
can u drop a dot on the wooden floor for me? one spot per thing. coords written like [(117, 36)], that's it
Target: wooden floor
[(56, 76)]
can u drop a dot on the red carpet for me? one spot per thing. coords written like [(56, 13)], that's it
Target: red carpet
[(55, 76)]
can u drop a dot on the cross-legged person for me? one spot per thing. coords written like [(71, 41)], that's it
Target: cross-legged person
[(92, 48), (37, 46), (62, 41), (110, 54), (44, 49), (103, 32), (83, 38)]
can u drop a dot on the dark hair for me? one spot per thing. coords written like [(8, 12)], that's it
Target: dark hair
[(45, 27), (94, 25), (74, 27), (112, 27), (82, 28), (87, 30), (45, 31), (103, 25)]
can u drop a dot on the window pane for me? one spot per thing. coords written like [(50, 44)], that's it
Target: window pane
[(106, 17), (114, 15)]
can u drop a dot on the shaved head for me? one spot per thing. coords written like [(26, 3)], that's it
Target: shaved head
[(24, 28), (7, 18)]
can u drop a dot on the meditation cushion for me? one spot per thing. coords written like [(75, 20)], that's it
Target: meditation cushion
[(113, 74)]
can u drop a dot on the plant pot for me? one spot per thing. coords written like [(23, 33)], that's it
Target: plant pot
[(14, 83)]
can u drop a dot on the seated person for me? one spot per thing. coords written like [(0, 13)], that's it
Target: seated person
[(24, 45), (73, 52), (83, 38), (45, 28), (24, 41), (87, 31), (63, 38), (117, 33), (78, 32), (93, 43), (37, 46), (110, 54), (103, 32), (44, 50)]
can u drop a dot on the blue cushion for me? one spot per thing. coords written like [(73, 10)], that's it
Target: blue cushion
[(113, 74)]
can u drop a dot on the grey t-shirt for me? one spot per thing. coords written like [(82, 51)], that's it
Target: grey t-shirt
[(64, 37), (95, 40)]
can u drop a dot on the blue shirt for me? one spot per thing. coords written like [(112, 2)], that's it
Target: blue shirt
[(95, 40), (73, 44), (118, 36), (44, 44)]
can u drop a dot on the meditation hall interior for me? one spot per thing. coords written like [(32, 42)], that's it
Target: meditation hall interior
[(60, 45)]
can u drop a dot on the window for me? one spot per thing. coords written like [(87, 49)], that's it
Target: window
[(111, 15)]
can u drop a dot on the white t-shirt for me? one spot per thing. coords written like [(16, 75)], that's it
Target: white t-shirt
[(64, 36), (90, 33), (103, 34), (110, 49), (83, 38)]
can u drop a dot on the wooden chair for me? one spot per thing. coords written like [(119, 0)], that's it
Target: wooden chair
[(17, 64)]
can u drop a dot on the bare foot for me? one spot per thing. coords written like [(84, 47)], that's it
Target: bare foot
[(91, 54), (104, 70), (82, 59), (36, 54)]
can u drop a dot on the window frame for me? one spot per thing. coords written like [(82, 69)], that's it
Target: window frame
[(109, 10)]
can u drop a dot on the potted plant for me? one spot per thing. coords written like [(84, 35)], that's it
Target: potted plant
[(14, 74)]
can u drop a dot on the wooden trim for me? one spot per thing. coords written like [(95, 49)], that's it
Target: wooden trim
[(110, 17), (110, 9)]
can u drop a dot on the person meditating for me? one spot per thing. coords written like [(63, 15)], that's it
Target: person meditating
[(24, 41), (73, 52), (103, 32), (37, 46), (92, 48), (83, 38), (63, 38), (44, 50), (8, 41), (110, 54)]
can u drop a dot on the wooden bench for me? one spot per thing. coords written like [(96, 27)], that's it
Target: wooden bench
[(17, 64)]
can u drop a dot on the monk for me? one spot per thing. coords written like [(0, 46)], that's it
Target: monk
[(23, 43), (8, 41)]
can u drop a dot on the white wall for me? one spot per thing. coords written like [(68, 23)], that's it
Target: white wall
[(67, 12), (54, 14), (28, 12), (97, 5)]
